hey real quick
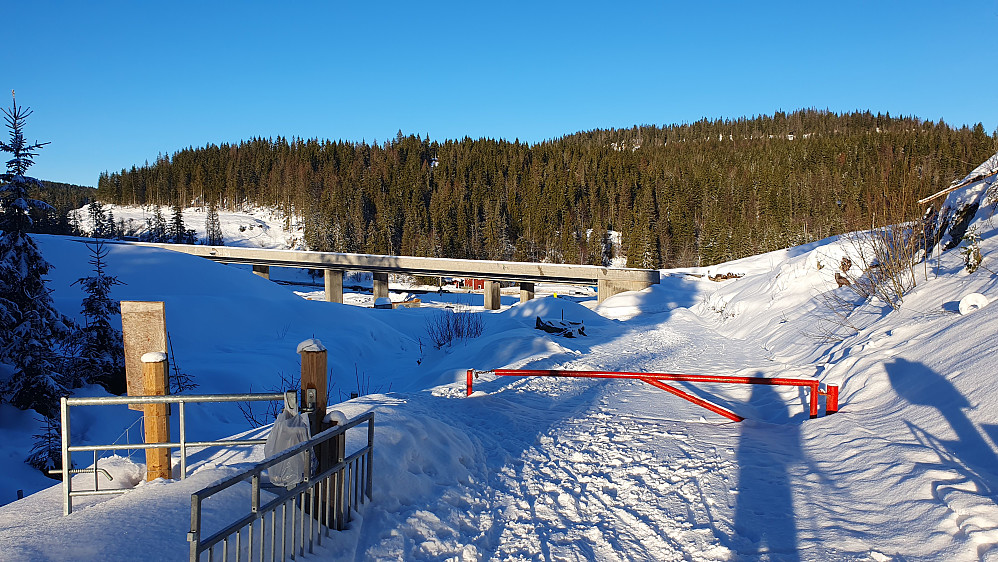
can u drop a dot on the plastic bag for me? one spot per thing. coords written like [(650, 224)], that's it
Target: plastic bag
[(289, 430)]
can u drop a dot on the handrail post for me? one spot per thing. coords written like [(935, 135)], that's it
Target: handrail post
[(370, 458), (67, 477), (183, 442), (194, 536)]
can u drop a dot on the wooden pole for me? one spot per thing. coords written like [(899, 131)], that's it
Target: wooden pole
[(313, 375), (157, 417)]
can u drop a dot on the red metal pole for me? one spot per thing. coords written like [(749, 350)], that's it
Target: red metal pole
[(832, 399), (815, 390), (696, 400), (471, 373), (777, 381)]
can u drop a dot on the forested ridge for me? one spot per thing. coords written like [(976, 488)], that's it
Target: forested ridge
[(691, 194)]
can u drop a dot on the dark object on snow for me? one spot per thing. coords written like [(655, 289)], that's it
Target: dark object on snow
[(842, 280), (565, 328)]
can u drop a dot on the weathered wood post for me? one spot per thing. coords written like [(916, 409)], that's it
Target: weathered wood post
[(157, 417), (313, 375), (262, 271)]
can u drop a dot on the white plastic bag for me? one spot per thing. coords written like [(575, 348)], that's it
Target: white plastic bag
[(289, 430)]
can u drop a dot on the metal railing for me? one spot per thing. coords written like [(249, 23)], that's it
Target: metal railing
[(68, 449), (320, 503)]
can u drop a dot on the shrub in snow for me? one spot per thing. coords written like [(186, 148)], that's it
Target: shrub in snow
[(972, 251), (443, 328)]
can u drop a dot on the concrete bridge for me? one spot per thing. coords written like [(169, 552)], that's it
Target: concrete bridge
[(609, 281)]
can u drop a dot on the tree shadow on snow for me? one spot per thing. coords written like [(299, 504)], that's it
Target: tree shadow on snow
[(970, 453), (764, 513)]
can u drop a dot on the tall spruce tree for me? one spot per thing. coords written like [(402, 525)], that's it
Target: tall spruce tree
[(213, 227), (31, 330)]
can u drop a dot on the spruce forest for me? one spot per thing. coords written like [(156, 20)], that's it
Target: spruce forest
[(681, 195)]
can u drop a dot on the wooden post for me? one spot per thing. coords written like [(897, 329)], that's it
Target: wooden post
[(262, 271), (313, 375), (157, 418), (143, 330)]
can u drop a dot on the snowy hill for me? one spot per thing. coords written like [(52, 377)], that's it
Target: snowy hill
[(562, 469)]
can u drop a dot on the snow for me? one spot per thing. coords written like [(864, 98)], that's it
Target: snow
[(577, 469), (311, 344), (972, 303), (153, 357)]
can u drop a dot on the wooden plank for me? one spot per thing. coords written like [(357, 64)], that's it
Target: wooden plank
[(143, 327)]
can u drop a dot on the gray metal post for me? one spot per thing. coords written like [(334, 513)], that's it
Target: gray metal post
[(183, 443), (67, 476)]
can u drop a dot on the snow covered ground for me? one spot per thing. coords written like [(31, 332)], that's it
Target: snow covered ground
[(561, 469)]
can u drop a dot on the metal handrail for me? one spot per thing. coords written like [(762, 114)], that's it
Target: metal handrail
[(328, 496), (183, 444)]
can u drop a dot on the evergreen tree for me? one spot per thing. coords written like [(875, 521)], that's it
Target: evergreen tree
[(101, 354), (46, 452), (102, 221), (156, 227), (175, 230), (213, 227), (30, 328)]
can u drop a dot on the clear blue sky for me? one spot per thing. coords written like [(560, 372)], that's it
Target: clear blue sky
[(114, 84)]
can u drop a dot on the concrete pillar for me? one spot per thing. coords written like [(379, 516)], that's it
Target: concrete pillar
[(334, 285), (526, 291), (492, 295), (380, 285), (606, 288), (262, 271)]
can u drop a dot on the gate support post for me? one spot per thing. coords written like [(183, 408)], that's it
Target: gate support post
[(157, 417)]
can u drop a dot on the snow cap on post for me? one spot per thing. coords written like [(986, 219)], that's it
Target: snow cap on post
[(154, 357), (311, 345)]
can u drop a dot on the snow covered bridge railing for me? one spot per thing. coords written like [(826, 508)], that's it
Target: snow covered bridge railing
[(831, 392), (320, 503)]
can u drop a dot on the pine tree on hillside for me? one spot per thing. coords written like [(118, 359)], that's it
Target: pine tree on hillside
[(102, 221), (213, 227), (156, 227), (101, 355), (30, 328), (175, 229)]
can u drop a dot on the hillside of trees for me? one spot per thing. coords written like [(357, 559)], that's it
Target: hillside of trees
[(691, 194), (63, 197)]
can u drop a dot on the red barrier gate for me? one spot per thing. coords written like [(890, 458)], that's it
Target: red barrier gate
[(655, 379)]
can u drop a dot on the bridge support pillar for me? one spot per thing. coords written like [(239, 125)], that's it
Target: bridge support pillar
[(606, 288), (380, 285), (334, 285), (492, 296), (526, 291), (262, 271)]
